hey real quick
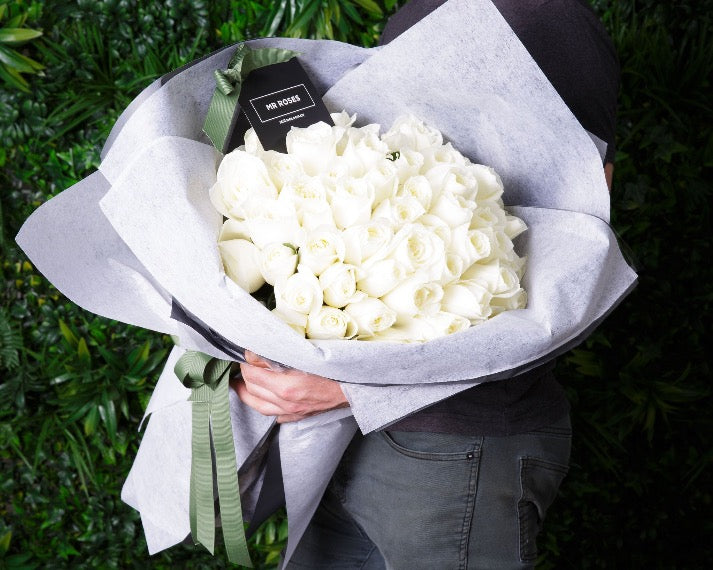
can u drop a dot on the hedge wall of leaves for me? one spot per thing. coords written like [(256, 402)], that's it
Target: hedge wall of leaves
[(73, 386)]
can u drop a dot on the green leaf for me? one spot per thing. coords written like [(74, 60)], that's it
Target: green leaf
[(67, 333), (83, 352), (5, 542), (19, 62), (18, 35)]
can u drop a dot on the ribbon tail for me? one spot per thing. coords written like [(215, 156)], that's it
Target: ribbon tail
[(231, 513), (202, 506), (220, 116)]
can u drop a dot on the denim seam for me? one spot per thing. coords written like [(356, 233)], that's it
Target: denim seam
[(470, 509)]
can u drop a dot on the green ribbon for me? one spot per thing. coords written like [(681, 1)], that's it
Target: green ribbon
[(228, 84), (209, 378)]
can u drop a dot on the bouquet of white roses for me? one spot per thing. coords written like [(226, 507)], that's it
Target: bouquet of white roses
[(395, 237), (141, 232)]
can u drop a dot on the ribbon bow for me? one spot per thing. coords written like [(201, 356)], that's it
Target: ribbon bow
[(228, 84), (208, 378)]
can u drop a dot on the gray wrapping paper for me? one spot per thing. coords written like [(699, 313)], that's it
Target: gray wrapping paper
[(127, 239)]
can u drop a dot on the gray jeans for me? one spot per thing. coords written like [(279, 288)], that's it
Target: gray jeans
[(413, 500)]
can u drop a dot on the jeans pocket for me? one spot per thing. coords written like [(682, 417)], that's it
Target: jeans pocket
[(433, 446), (540, 481)]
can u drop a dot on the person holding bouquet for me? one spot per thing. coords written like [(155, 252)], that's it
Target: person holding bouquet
[(466, 482)]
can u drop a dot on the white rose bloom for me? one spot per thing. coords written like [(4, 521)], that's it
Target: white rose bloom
[(241, 260), (371, 316), (351, 202), (296, 321), (381, 277), (408, 132), (400, 211), (339, 287), (308, 197), (343, 119), (314, 146), (416, 187), (470, 245), (333, 172), (408, 163), (414, 296), (363, 151), (367, 240), (490, 185), (418, 249), (270, 220), (323, 247), (468, 299), (384, 179), (278, 261), (233, 229), (488, 215), (330, 323), (428, 327), (452, 179), (453, 270), (486, 275), (516, 299), (444, 154), (437, 226), (514, 226), (452, 209), (240, 176), (501, 246), (283, 168), (252, 143), (300, 292)]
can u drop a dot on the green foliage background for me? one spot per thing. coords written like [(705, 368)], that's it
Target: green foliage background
[(73, 386)]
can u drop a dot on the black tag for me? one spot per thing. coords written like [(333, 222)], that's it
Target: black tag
[(272, 100)]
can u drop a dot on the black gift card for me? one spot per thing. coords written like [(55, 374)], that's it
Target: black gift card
[(272, 100)]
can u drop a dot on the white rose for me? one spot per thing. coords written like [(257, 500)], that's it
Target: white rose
[(364, 150), (419, 249), (330, 323), (516, 299), (427, 327), (452, 179), (408, 132), (339, 287), (241, 260), (454, 210), (366, 240), (240, 176), (233, 229), (468, 299), (381, 277), (408, 164), (454, 268), (485, 274), (270, 220), (384, 179), (352, 202), (414, 296), (417, 187), (296, 321), (437, 226), (399, 211), (300, 292), (488, 215), (343, 119), (278, 261), (501, 246), (371, 316), (282, 168), (313, 146), (444, 154), (490, 185), (514, 226), (322, 248), (469, 245), (308, 197), (252, 143)]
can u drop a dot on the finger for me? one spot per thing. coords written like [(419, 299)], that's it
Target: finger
[(289, 418), (266, 408), (255, 360)]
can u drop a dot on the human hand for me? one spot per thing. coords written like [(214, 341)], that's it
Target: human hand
[(290, 395)]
